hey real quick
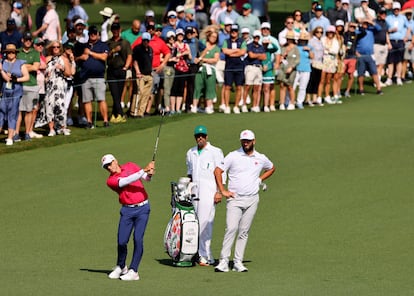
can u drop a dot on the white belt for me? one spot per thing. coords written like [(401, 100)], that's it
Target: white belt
[(137, 205)]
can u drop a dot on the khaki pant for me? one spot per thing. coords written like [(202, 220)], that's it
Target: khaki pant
[(144, 89)]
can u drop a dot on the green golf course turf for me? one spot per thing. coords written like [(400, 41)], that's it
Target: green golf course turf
[(337, 218)]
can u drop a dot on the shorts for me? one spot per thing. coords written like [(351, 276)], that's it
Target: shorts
[(253, 75), (350, 66), (408, 53), (93, 88), (366, 63), (235, 76), (396, 55), (380, 54), (29, 99)]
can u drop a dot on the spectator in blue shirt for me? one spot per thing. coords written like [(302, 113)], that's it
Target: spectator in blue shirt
[(319, 20), (11, 35)]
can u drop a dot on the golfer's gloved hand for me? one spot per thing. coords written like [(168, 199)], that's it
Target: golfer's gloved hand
[(262, 185)]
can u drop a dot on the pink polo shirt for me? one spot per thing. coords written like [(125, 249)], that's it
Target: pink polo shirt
[(131, 194)]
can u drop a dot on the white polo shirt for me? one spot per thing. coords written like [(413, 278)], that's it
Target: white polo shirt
[(201, 167), (244, 170)]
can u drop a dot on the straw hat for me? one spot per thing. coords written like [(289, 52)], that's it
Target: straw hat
[(290, 35), (10, 48)]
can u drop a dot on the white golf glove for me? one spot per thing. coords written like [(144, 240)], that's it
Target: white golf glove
[(262, 185)]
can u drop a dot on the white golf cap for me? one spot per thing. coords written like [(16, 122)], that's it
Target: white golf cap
[(228, 21), (339, 23), (79, 22), (245, 30), (170, 34), (257, 33), (180, 8), (150, 13), (172, 13), (345, 1), (265, 25), (396, 5), (107, 159), (107, 11), (247, 135)]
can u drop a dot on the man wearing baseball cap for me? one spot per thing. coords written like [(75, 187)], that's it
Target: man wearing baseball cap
[(229, 13), (125, 180), (247, 19), (201, 160), (246, 169)]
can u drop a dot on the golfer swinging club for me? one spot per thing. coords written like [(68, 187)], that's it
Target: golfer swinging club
[(125, 180), (246, 169)]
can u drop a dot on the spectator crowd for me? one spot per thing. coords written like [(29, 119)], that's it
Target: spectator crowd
[(192, 58)]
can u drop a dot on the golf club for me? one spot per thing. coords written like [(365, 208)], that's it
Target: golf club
[(158, 135)]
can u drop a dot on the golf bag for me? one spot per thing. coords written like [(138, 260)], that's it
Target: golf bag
[(135, 101), (182, 232)]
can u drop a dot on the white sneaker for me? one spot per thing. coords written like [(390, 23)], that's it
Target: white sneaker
[(209, 110), (227, 110), (239, 267), (52, 133), (117, 272), (222, 108), (215, 100), (193, 109), (310, 104), (399, 81), (248, 100), (223, 266), (388, 82), (9, 142), (244, 109), (272, 108), (266, 109), (122, 105), (202, 261), (328, 100), (131, 275), (256, 109), (382, 84), (291, 107), (282, 107), (35, 135), (347, 94), (241, 103), (236, 110), (319, 101), (128, 105)]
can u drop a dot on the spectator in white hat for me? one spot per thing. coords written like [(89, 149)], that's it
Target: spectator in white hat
[(171, 25), (149, 17), (107, 20), (398, 27)]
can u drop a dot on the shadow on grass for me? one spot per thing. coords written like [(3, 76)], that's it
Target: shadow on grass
[(96, 270)]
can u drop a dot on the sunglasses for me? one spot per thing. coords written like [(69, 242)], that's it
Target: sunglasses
[(319, 32), (200, 135), (289, 23), (298, 15), (55, 46)]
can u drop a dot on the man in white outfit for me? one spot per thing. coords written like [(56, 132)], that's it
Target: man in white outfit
[(246, 169), (201, 161)]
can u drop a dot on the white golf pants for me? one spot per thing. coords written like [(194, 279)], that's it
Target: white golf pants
[(239, 218)]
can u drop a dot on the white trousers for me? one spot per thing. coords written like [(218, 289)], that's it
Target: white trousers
[(206, 211), (239, 218), (301, 80)]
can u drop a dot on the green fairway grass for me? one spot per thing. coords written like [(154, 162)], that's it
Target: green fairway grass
[(337, 218)]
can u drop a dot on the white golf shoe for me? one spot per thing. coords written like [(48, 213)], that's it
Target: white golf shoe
[(239, 267), (223, 266), (117, 272), (131, 275)]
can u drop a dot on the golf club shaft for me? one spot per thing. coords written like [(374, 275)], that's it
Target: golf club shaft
[(158, 136)]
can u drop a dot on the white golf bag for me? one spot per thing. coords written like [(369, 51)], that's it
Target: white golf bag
[(182, 232)]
